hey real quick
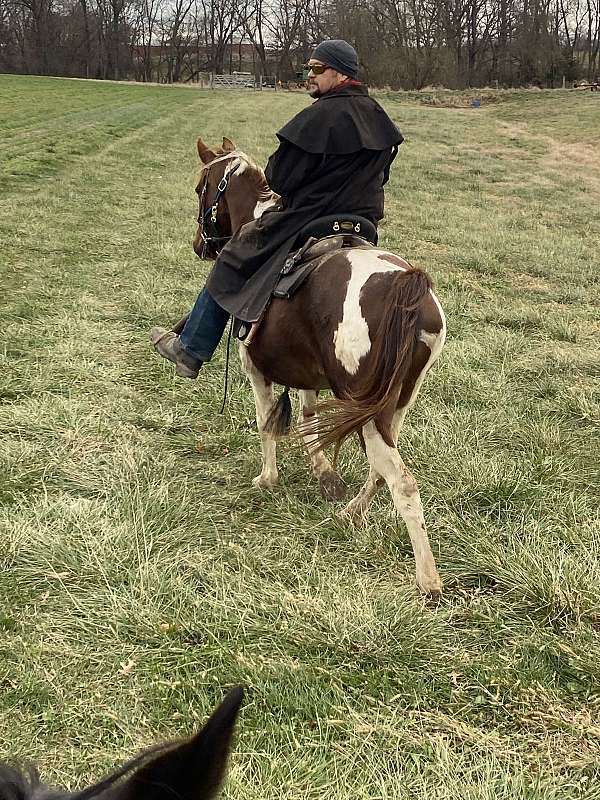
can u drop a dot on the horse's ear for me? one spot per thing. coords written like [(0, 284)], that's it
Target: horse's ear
[(192, 769), (205, 153), (228, 145)]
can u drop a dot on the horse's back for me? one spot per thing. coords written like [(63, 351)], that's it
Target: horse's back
[(323, 335)]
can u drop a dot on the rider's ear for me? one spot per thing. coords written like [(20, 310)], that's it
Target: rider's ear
[(206, 155), (228, 145)]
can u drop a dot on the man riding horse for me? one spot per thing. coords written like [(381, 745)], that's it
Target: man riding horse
[(334, 157)]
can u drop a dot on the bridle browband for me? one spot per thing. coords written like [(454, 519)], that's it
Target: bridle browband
[(207, 218)]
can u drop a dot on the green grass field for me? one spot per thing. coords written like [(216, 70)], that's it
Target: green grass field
[(140, 572)]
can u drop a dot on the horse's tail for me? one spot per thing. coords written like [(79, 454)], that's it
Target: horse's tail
[(279, 421), (387, 364)]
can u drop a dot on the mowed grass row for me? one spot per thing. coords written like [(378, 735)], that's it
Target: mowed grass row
[(141, 573)]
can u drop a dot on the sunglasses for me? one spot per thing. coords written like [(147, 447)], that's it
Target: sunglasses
[(316, 69)]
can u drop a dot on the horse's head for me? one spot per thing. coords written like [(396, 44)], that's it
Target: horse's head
[(231, 191), (191, 769)]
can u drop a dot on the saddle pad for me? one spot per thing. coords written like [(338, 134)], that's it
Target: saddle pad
[(288, 285)]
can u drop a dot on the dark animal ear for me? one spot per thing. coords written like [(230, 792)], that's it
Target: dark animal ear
[(228, 145), (205, 153), (192, 769)]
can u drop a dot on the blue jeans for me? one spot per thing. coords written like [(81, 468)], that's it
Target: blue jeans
[(204, 328)]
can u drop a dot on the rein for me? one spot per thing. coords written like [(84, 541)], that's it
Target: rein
[(207, 220)]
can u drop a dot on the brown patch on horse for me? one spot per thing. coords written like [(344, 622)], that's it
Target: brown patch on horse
[(304, 361), (431, 319), (418, 361), (393, 259)]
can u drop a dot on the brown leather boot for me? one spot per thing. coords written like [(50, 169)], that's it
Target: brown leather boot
[(167, 344)]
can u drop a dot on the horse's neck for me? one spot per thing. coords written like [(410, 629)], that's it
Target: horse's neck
[(250, 207)]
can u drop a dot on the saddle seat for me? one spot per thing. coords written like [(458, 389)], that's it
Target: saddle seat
[(334, 224)]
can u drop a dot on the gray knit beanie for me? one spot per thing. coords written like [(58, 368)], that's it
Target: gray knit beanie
[(339, 55)]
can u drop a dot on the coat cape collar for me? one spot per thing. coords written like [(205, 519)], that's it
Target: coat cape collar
[(342, 122)]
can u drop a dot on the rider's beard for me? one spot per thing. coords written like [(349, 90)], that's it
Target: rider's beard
[(313, 89)]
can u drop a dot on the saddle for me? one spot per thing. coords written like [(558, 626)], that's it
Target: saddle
[(313, 243)]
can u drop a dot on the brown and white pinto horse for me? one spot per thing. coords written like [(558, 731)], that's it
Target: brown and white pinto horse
[(365, 324)]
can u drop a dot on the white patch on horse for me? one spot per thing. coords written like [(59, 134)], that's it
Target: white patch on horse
[(261, 206), (351, 339), (386, 461), (238, 167), (428, 338)]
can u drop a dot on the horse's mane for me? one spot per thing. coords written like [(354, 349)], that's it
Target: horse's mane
[(247, 166)]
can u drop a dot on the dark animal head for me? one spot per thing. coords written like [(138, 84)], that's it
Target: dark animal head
[(192, 769), (229, 189)]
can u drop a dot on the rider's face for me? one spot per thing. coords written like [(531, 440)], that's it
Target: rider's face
[(318, 85)]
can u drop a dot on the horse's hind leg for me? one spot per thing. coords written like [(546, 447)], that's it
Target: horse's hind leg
[(356, 510), (386, 461), (331, 485), (263, 400)]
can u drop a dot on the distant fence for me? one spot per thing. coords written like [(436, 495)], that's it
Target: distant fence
[(239, 80)]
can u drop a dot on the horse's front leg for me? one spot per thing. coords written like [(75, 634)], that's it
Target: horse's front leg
[(331, 485), (263, 400)]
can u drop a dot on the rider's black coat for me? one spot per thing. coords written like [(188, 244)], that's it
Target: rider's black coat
[(333, 157)]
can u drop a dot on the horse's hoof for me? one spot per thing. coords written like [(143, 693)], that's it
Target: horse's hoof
[(332, 486), (430, 585), (263, 482)]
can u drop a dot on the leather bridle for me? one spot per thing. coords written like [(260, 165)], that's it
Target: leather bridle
[(207, 217)]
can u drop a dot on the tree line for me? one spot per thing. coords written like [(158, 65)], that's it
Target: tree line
[(401, 43)]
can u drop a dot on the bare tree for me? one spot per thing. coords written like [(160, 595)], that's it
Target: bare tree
[(593, 38), (145, 27), (37, 27), (284, 23), (221, 21), (252, 19), (177, 42)]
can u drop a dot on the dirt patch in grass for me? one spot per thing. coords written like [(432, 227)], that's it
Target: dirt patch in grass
[(523, 281), (581, 158), (564, 157)]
